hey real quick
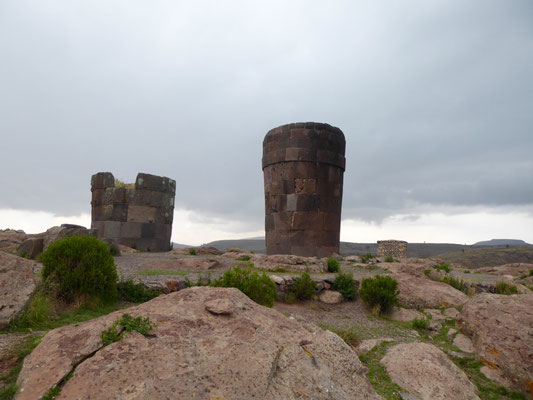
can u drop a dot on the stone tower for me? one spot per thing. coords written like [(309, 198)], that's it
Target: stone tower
[(303, 168), (137, 215)]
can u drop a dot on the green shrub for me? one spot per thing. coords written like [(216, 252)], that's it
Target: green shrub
[(366, 258), (38, 311), (303, 287), (455, 282), (443, 267), (531, 272), (244, 257), (503, 287), (81, 267), (379, 291), (126, 324), (426, 272), (389, 259), (135, 292), (193, 252), (345, 285), (333, 264), (260, 289), (420, 323)]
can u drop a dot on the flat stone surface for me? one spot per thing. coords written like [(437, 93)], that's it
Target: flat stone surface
[(331, 297), (464, 343), (418, 292), (17, 284), (222, 306), (502, 331), (425, 371), (255, 352), (405, 314)]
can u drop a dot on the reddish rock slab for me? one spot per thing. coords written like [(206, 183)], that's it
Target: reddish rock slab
[(254, 352), (501, 328)]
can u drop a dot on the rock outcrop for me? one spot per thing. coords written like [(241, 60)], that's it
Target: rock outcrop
[(11, 239), (17, 284), (424, 293), (501, 328), (507, 269), (209, 343), (425, 371)]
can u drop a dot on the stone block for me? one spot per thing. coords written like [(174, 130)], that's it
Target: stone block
[(102, 180), (141, 214), (148, 231), (119, 212), (131, 230), (155, 183), (306, 220), (31, 247), (307, 202), (292, 202), (111, 229), (119, 196), (102, 213)]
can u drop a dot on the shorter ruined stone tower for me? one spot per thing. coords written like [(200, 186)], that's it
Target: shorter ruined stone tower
[(137, 215), (303, 168), (393, 248)]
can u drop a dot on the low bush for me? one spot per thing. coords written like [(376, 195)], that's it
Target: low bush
[(333, 264), (366, 258), (126, 324), (531, 272), (260, 289), (345, 285), (379, 291), (443, 267), (193, 252), (80, 267), (503, 287), (420, 323), (457, 283), (389, 259), (303, 287), (426, 272), (244, 257), (135, 292)]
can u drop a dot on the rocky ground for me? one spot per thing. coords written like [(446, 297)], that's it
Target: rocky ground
[(213, 343)]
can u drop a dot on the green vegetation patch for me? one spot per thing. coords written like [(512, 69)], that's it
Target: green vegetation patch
[(259, 288), (303, 287), (193, 252), (443, 267), (505, 288), (345, 285), (80, 267), (420, 324), (333, 264), (380, 292), (124, 324), (456, 282), (128, 290), (377, 374)]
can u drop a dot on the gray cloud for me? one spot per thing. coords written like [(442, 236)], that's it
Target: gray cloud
[(435, 99)]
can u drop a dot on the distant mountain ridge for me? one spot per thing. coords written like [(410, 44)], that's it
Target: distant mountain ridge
[(257, 245), (502, 242)]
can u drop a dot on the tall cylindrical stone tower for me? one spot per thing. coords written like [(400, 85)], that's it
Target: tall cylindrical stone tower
[(303, 168)]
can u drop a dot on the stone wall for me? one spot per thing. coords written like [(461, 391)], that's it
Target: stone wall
[(138, 215), (394, 248), (303, 168)]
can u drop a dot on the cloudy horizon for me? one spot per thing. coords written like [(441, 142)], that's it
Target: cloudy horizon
[(434, 99)]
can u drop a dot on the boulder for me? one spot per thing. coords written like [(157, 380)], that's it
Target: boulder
[(59, 232), (17, 284), (425, 371), (424, 293), (289, 263), (31, 247), (464, 343), (331, 297), (405, 314), (197, 352), (501, 328), (451, 313), (11, 239), (513, 269)]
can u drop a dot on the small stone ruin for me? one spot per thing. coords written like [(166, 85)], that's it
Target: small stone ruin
[(137, 215), (303, 168), (393, 248)]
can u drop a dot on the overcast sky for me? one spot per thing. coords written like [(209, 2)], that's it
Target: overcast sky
[(435, 99)]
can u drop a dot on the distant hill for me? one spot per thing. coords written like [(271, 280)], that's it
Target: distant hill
[(501, 242), (490, 256), (180, 246)]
